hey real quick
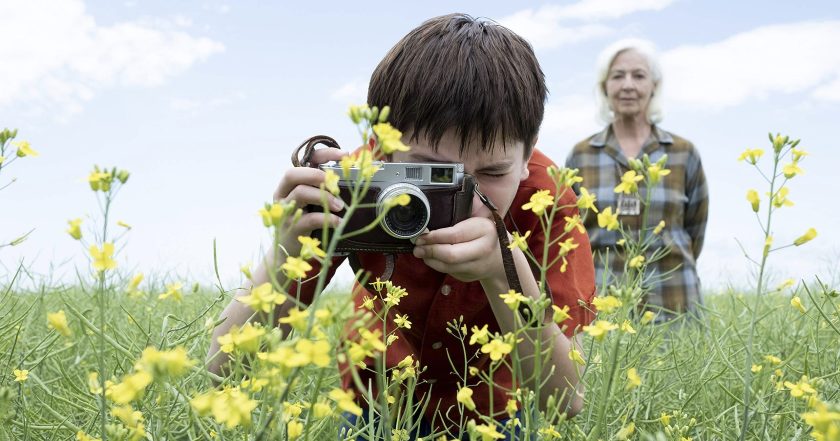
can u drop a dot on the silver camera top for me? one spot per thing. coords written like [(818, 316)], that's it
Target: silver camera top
[(417, 173)]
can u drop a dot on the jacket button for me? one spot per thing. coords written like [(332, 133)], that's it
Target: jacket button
[(445, 290), (437, 345)]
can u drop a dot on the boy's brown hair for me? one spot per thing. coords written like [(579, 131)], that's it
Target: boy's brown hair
[(457, 72)]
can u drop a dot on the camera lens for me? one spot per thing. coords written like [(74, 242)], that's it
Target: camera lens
[(404, 222)]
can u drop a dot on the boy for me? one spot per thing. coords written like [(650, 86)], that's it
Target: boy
[(469, 91)]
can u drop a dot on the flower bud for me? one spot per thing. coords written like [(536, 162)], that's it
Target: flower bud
[(123, 175), (752, 197), (807, 237), (384, 113)]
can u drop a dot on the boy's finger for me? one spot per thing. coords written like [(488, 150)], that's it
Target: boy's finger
[(295, 177), (452, 253), (468, 230), (304, 195), (321, 156)]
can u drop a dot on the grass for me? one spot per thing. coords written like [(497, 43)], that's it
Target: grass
[(691, 370)]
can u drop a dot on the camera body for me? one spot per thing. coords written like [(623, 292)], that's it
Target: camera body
[(440, 195)]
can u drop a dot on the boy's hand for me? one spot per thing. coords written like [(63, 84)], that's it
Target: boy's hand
[(302, 185), (468, 250)]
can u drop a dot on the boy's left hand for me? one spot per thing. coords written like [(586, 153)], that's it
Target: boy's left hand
[(468, 250)]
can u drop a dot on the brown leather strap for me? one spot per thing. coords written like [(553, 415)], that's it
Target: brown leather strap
[(507, 256), (308, 148)]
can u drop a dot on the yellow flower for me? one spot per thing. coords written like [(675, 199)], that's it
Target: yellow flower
[(825, 422), (310, 352), (344, 400), (296, 318), (24, 149), (648, 317), (637, 262), (99, 180), (82, 436), (576, 357), (805, 238), (232, 408), (801, 388), (401, 199), (566, 246), (751, 155), (574, 222), (633, 379), (600, 329), (135, 282), (772, 359), (172, 290), (321, 410), (608, 220), (296, 268), (606, 304), (798, 154), (272, 215), (389, 138), (394, 294), (550, 432), (2, 159), (102, 258), (402, 321), (331, 182), (519, 241), (796, 302), (75, 230), (497, 348), (294, 429), (626, 432), (786, 284), (480, 336), (93, 383), (511, 408), (58, 321), (752, 198), (560, 314), (21, 375), (263, 298), (132, 387), (172, 363), (465, 397), (246, 339), (488, 432), (791, 170), (756, 368), (780, 199), (128, 416), (629, 183), (659, 227), (627, 327), (586, 200), (665, 419), (656, 173), (539, 201), (512, 299)]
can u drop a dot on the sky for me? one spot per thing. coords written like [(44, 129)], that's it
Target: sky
[(203, 102)]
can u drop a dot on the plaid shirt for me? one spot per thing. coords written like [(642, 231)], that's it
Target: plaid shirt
[(681, 200)]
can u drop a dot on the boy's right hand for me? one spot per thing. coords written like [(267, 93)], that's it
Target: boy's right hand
[(301, 185)]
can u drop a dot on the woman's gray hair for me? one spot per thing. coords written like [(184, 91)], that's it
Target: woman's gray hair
[(647, 50)]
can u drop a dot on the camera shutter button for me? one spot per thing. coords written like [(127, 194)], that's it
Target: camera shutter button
[(445, 290)]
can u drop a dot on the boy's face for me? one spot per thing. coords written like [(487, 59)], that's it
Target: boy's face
[(498, 173)]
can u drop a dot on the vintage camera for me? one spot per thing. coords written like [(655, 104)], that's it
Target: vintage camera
[(441, 196)]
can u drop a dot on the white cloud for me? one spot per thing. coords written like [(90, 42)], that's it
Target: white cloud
[(788, 58), (568, 119), (544, 27), (354, 92), (60, 57)]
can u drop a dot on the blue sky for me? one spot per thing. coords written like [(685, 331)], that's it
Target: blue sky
[(204, 101)]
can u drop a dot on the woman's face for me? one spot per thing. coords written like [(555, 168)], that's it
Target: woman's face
[(629, 85)]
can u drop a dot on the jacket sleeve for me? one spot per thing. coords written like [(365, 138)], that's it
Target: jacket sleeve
[(697, 206)]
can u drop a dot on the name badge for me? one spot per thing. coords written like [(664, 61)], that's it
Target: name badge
[(628, 205)]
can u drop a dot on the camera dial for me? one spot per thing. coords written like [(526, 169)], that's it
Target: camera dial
[(404, 222)]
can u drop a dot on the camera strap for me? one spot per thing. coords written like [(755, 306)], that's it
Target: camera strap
[(507, 255)]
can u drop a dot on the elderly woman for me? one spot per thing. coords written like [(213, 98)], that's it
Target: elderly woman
[(629, 90)]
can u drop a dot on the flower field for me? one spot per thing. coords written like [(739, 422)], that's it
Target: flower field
[(121, 356)]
